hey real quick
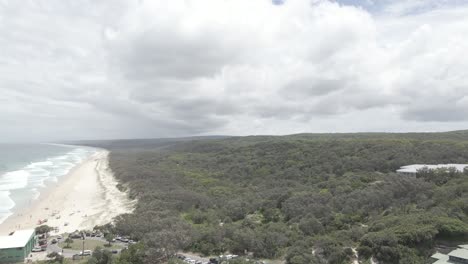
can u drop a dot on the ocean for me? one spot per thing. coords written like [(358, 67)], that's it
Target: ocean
[(27, 168)]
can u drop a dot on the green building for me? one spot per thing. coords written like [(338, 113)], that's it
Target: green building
[(17, 246)]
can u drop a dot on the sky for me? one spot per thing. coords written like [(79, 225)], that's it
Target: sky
[(107, 69)]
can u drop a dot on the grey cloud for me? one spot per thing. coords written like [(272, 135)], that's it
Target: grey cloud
[(157, 54), (208, 69), (312, 86), (271, 111), (204, 107), (434, 112)]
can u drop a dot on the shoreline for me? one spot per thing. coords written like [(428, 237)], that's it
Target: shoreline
[(86, 196)]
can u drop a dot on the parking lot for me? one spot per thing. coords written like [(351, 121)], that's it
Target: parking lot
[(56, 244)]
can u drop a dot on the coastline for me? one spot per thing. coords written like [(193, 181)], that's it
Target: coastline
[(86, 196)]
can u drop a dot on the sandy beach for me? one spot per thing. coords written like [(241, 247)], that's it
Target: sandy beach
[(87, 196)]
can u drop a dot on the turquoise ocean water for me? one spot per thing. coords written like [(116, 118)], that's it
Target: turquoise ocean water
[(27, 168)]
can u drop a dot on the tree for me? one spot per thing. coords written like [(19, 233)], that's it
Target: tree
[(68, 241), (231, 192), (109, 237), (43, 229), (101, 256), (301, 253), (364, 252), (310, 226), (164, 244), (135, 254), (55, 257)]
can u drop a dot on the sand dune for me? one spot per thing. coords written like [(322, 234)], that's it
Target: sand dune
[(85, 197)]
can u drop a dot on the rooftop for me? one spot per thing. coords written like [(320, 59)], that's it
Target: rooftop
[(459, 253), (18, 239), (440, 256), (415, 167), (442, 261)]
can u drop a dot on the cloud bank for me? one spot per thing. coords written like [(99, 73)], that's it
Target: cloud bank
[(123, 69)]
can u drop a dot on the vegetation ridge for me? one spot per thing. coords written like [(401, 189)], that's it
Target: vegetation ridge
[(305, 198)]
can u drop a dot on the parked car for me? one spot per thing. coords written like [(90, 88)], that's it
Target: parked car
[(36, 249), (75, 235), (53, 241), (231, 256), (115, 251), (86, 253)]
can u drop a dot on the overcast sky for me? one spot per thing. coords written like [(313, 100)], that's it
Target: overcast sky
[(102, 69)]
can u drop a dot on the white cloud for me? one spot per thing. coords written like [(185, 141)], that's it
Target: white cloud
[(103, 69)]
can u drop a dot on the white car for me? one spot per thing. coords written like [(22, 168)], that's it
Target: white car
[(86, 253), (36, 249)]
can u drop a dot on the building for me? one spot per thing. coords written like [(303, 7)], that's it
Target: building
[(457, 256), (411, 170), (17, 246)]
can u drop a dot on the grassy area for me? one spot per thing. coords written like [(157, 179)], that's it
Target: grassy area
[(90, 244)]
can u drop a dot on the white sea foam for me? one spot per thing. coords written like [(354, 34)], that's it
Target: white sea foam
[(14, 180), (6, 204), (36, 175)]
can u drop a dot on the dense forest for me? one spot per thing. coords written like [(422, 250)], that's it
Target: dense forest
[(308, 198)]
